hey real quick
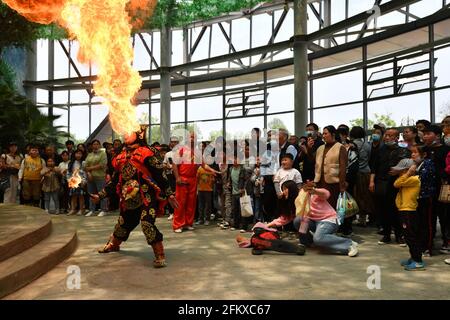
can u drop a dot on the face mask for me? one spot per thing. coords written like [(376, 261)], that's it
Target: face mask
[(447, 141), (390, 143), (376, 137), (403, 144)]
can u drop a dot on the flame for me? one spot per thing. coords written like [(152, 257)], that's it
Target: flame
[(103, 29), (75, 180)]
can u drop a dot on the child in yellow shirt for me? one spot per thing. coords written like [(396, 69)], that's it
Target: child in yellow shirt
[(408, 184), (205, 185)]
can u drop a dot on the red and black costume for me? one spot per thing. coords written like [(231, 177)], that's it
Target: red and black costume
[(142, 187)]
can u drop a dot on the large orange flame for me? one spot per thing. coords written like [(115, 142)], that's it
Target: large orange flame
[(103, 29)]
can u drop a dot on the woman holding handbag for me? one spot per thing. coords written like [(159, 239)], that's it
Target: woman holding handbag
[(322, 221)]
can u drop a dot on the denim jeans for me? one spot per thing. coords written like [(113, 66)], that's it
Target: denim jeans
[(256, 204), (324, 235), (96, 186), (49, 196)]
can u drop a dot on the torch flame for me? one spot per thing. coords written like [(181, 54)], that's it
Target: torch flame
[(75, 180), (103, 29)]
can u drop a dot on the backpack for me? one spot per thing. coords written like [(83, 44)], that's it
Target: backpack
[(263, 239)]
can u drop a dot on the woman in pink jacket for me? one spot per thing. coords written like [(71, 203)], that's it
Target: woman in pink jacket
[(322, 220)]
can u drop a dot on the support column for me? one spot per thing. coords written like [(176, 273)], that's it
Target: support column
[(31, 71), (300, 67), (327, 21), (51, 74), (165, 83)]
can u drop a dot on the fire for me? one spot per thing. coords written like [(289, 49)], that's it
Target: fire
[(103, 29), (75, 180)]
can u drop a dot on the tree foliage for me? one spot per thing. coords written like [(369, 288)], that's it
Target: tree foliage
[(21, 121), (385, 119)]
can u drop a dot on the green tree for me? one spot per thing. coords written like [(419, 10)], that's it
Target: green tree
[(21, 121), (276, 123), (377, 118)]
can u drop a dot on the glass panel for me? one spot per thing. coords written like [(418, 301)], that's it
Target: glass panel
[(381, 74), (41, 96), (400, 110), (79, 122), (442, 102), (245, 80), (219, 45), (177, 47), (280, 99), (348, 114), (341, 88), (42, 60), (442, 67), (141, 59), (287, 28), (379, 92), (155, 134), (177, 111), (284, 120), (201, 52), (425, 8), (208, 130), (61, 62), (415, 85), (261, 29), (205, 108), (62, 120), (240, 128), (99, 112), (60, 97), (156, 112), (415, 67)]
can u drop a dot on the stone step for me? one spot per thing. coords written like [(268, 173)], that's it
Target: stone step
[(21, 269), (21, 228)]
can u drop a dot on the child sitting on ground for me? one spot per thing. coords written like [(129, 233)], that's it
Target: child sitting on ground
[(409, 184)]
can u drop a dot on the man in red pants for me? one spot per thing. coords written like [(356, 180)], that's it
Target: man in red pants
[(187, 160)]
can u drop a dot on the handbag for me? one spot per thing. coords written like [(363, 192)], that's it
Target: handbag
[(4, 184), (444, 194), (246, 205), (346, 206)]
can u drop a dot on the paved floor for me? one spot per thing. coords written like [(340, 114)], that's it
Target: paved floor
[(207, 264)]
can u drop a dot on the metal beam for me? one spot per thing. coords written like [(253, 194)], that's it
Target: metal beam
[(231, 44), (72, 63), (199, 38), (148, 49), (365, 25), (357, 19), (321, 22), (276, 30)]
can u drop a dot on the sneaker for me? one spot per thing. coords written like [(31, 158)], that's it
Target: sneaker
[(401, 241), (206, 223), (72, 212), (190, 228), (232, 229), (447, 261), (405, 262), (170, 217), (103, 213), (415, 266), (426, 254), (353, 250), (445, 250), (80, 213), (90, 213), (242, 231), (178, 230), (224, 225), (212, 216), (384, 240)]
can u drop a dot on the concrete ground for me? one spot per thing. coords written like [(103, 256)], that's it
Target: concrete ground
[(207, 264)]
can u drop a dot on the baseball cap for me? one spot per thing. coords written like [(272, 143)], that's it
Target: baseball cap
[(403, 164), (379, 126), (433, 128)]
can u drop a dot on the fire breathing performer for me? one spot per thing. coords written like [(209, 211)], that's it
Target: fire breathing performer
[(143, 190)]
